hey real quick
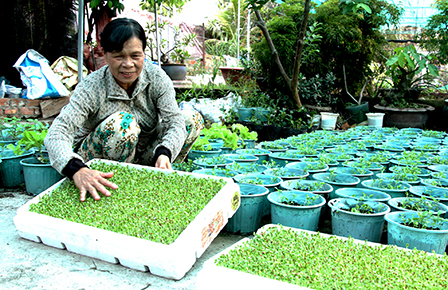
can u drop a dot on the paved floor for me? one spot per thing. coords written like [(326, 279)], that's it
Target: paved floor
[(29, 265)]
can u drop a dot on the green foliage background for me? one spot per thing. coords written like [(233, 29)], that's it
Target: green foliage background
[(352, 39)]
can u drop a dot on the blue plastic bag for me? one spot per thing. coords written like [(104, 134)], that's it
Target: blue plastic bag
[(38, 77)]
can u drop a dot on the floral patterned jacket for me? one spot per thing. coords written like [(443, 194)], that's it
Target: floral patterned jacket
[(153, 103)]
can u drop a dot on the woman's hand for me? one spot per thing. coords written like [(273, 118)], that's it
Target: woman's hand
[(93, 181), (163, 162)]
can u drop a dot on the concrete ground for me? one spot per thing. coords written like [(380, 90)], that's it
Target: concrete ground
[(29, 265)]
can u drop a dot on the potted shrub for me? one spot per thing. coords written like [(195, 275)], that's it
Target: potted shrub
[(172, 56), (297, 209), (406, 68), (421, 230), (359, 219)]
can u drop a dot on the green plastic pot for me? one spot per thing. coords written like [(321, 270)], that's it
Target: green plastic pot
[(304, 217), (218, 171), (195, 154), (212, 162), (430, 192), (241, 158), (311, 167), (362, 226), (247, 219), (283, 158), (337, 180), (268, 181), (362, 194), (247, 167), (400, 189), (286, 173), (409, 237), (38, 176), (245, 113), (313, 186), (11, 171), (361, 173), (431, 206), (262, 154)]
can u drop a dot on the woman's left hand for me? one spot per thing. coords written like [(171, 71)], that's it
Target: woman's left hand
[(163, 162)]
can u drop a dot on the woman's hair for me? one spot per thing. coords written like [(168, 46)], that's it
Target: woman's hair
[(120, 30)]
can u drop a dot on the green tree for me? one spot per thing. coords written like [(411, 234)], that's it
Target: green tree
[(434, 36), (290, 77), (347, 37)]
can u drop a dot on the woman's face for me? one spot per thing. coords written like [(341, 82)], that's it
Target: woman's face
[(126, 65)]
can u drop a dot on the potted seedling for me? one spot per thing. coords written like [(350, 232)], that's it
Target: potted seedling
[(297, 209), (11, 170), (421, 230), (336, 180), (202, 148), (37, 170), (248, 138), (358, 219), (418, 204), (392, 187)]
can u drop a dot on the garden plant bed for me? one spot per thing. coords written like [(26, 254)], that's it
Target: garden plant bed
[(273, 259), (170, 257)]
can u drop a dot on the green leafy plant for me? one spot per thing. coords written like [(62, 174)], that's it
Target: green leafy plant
[(244, 133), (407, 69), (202, 144)]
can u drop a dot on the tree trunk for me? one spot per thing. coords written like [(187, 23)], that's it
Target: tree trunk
[(293, 81)]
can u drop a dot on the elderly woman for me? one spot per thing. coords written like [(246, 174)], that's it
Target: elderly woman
[(125, 111)]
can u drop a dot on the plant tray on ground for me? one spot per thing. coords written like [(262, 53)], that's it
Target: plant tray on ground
[(286, 258), (138, 226)]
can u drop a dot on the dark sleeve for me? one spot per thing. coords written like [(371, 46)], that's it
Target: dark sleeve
[(72, 167), (161, 151)]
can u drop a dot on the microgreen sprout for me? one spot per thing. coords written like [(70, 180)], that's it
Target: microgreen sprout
[(284, 255), (148, 204)]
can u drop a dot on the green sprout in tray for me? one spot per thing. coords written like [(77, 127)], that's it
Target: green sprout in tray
[(148, 204), (319, 262)]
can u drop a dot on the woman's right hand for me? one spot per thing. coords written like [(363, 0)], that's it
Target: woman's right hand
[(93, 181)]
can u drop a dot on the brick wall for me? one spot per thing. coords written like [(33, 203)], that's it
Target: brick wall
[(20, 108)]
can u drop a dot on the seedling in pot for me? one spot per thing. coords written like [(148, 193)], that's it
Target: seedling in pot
[(423, 220), (309, 200)]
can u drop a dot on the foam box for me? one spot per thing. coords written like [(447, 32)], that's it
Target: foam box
[(169, 261), (226, 278)]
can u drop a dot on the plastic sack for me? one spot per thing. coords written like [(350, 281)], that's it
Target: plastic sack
[(213, 110), (38, 77), (66, 71), (2, 89)]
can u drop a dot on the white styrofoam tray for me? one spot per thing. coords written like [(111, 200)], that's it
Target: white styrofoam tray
[(170, 261), (226, 278)]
